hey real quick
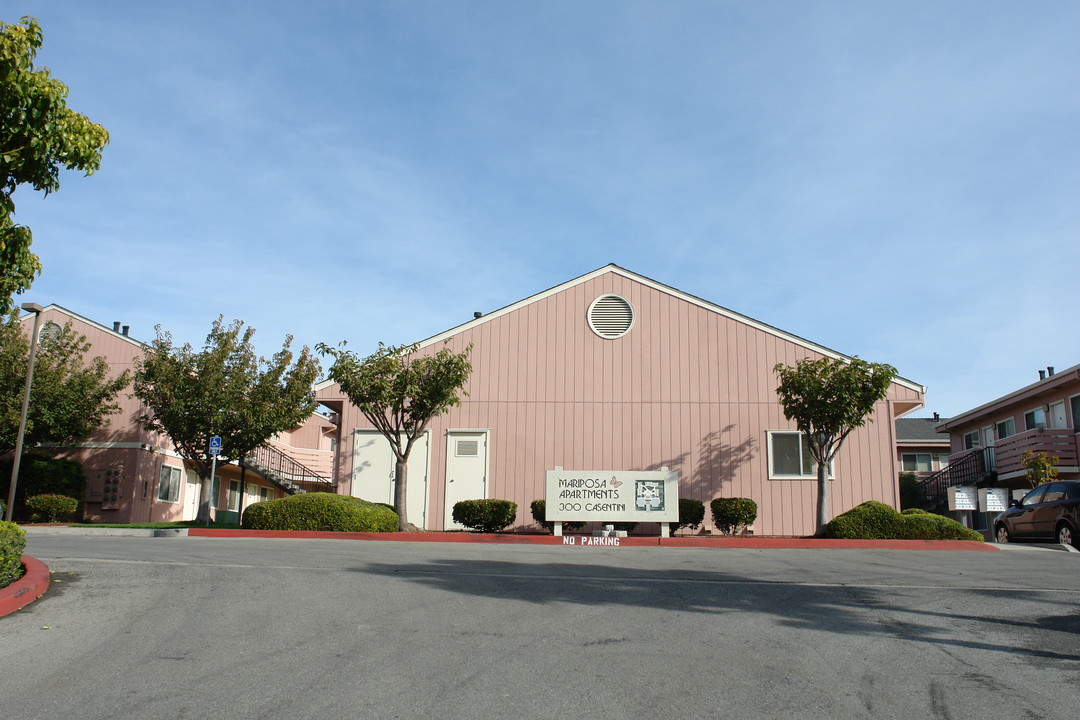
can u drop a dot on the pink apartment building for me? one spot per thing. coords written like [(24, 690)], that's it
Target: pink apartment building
[(987, 443), (615, 371), (135, 476)]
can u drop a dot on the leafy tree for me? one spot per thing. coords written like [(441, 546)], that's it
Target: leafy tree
[(225, 389), (399, 392), (1040, 467), (70, 398), (828, 399), (39, 134)]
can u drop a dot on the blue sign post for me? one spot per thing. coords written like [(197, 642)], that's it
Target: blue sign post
[(215, 450)]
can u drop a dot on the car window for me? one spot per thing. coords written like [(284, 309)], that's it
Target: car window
[(1054, 493), (1072, 491), (1035, 496)]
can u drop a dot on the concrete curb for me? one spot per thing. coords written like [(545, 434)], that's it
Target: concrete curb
[(32, 585), (588, 540), (90, 531)]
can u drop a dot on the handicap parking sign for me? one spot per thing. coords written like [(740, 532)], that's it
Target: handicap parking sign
[(215, 445)]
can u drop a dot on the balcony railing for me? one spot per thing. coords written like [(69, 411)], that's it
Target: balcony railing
[(1009, 452), (968, 468), (278, 467)]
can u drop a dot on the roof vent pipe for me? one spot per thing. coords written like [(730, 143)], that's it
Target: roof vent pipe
[(937, 417), (116, 326), (1049, 371), (1042, 374), (477, 315), (124, 330)]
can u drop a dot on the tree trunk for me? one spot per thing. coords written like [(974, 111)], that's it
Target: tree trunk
[(204, 500), (822, 498), (401, 474)]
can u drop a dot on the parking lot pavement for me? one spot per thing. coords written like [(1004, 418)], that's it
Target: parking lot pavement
[(199, 627)]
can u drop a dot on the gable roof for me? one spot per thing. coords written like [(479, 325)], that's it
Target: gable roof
[(70, 313), (920, 430), (658, 286)]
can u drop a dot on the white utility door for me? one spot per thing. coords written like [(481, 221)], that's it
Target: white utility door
[(988, 436), (1057, 415), (191, 496), (466, 470), (373, 473)]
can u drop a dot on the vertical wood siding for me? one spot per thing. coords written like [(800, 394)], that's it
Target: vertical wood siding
[(687, 388)]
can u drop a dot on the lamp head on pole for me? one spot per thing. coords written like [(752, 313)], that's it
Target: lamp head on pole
[(32, 307)]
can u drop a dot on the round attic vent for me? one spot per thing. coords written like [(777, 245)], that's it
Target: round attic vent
[(611, 316), (49, 331)]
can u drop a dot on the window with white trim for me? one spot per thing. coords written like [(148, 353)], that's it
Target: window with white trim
[(916, 462), (971, 440), (169, 484), (233, 501), (942, 461), (1034, 419), (1005, 428), (789, 456), (265, 493)]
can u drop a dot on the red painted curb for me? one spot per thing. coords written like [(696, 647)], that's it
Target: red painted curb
[(27, 589), (588, 540)]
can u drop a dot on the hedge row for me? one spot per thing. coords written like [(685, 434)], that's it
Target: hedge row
[(877, 521), (12, 544), (320, 511)]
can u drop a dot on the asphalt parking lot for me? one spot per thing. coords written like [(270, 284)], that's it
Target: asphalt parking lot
[(203, 627)]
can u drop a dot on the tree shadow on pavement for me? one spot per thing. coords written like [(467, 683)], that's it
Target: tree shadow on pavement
[(833, 608)]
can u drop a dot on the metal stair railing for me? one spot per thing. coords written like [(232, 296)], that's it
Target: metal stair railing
[(286, 472), (969, 469)]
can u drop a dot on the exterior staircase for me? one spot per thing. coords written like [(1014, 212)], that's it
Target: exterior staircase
[(975, 468), (286, 473)]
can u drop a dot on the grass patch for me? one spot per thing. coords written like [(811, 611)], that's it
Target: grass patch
[(159, 525)]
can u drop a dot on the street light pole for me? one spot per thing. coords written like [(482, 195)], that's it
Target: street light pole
[(36, 309)]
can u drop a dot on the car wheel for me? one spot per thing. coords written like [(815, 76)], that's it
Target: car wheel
[(1002, 534), (1066, 536)]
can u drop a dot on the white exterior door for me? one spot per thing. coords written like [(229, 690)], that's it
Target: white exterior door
[(373, 473), (466, 470), (191, 496), (1057, 415)]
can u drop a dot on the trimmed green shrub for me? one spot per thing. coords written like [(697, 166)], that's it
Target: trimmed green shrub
[(877, 521), (12, 544), (488, 515), (872, 520), (732, 515), (691, 514), (52, 508), (927, 526), (320, 511), (539, 514)]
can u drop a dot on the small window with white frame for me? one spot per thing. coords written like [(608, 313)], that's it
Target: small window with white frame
[(789, 456), (917, 462), (1035, 419), (233, 501), (971, 440), (169, 484), (1006, 428)]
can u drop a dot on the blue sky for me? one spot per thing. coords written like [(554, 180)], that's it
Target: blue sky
[(895, 181)]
